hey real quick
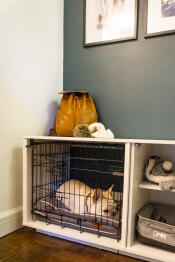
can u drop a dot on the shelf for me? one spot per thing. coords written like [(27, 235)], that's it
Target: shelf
[(151, 186), (115, 140)]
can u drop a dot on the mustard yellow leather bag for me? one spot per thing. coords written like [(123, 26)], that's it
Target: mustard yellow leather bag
[(76, 107)]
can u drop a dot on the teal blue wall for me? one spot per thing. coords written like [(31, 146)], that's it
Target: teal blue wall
[(132, 83)]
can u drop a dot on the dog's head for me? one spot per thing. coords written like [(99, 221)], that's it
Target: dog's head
[(102, 204)]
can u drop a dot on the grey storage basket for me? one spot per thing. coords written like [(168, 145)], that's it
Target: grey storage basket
[(150, 229)]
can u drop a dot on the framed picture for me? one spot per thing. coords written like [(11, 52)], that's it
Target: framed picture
[(159, 17), (107, 21)]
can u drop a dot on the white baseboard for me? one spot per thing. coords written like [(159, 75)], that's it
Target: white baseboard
[(10, 221), (138, 257)]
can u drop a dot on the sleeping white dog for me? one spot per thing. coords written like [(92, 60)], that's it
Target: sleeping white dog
[(81, 199)]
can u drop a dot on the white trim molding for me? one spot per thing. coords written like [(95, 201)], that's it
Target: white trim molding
[(10, 221)]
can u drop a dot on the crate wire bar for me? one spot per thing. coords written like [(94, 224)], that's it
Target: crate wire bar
[(70, 185)]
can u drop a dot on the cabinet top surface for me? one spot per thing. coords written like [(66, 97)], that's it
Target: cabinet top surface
[(116, 140)]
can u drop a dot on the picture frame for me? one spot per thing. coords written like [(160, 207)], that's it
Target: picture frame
[(159, 17), (108, 21)]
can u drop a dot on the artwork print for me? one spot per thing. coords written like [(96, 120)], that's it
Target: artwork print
[(109, 21), (159, 17)]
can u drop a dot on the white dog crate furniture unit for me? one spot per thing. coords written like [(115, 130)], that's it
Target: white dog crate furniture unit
[(116, 168), (77, 189)]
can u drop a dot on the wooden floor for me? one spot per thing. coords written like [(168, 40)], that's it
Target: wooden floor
[(25, 245)]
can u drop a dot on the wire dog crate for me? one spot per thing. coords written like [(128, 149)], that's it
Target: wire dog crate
[(78, 185)]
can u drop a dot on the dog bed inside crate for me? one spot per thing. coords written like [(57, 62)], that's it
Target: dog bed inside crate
[(156, 226), (53, 211)]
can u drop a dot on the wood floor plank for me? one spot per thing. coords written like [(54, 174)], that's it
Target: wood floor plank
[(26, 245)]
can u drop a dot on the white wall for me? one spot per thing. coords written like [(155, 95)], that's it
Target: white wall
[(31, 75)]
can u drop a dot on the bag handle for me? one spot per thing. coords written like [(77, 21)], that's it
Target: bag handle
[(70, 100), (78, 102), (84, 101)]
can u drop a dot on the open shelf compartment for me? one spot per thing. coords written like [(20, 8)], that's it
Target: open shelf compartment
[(143, 192)]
